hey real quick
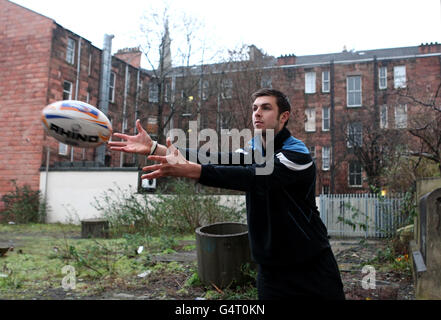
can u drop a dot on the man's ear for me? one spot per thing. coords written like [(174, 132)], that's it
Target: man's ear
[(285, 116)]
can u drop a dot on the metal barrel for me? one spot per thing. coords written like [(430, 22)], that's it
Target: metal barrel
[(222, 250)]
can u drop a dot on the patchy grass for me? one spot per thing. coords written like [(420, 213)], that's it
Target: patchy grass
[(103, 267)]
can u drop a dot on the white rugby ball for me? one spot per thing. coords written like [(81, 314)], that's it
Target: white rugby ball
[(76, 123)]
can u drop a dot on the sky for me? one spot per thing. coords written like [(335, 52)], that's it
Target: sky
[(277, 27)]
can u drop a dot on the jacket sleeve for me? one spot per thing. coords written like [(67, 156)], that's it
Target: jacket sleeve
[(285, 168), (218, 158)]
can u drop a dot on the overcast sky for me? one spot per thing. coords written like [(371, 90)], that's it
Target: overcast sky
[(278, 27)]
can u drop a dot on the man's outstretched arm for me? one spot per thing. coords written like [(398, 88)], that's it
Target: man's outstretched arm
[(173, 164), (141, 143)]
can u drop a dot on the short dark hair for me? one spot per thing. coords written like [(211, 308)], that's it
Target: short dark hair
[(282, 100)]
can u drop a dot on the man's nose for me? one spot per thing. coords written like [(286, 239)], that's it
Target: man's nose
[(257, 113)]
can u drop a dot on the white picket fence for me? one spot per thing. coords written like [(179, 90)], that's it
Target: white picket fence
[(372, 216)]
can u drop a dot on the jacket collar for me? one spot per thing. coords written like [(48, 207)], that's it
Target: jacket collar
[(279, 140)]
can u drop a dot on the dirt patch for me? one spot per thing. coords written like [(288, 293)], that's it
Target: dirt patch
[(166, 275), (351, 261)]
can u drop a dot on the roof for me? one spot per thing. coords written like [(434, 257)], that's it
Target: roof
[(358, 55), (339, 57)]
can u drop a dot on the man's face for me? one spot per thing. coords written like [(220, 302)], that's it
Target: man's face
[(266, 114)]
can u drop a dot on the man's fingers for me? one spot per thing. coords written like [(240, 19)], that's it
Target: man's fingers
[(153, 167), (121, 136), (151, 176), (157, 158), (139, 126), (171, 148), (169, 143), (117, 143)]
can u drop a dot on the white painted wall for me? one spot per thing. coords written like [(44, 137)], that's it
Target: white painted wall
[(70, 193)]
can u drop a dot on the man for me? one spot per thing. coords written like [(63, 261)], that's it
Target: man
[(288, 240)]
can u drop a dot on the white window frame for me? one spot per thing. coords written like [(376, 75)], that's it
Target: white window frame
[(326, 82), (401, 119), (70, 50), (153, 92), (326, 158), (382, 77), (112, 87), (310, 82), (227, 89), (205, 89), (327, 119), (400, 80), (310, 124), (355, 91), (384, 117), (355, 173), (128, 80), (89, 67), (63, 149), (152, 120), (355, 134), (225, 120), (266, 81), (68, 92)]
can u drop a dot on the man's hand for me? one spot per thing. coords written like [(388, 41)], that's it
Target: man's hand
[(173, 164), (140, 144)]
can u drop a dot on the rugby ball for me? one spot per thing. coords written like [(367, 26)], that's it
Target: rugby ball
[(76, 123)]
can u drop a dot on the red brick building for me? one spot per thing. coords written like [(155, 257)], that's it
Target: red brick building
[(363, 90), (335, 98), (42, 62)]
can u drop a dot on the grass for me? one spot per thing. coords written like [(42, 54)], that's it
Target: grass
[(102, 266)]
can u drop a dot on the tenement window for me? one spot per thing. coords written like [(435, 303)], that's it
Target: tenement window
[(354, 91)]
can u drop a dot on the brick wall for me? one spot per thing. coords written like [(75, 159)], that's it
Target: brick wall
[(25, 47), (87, 81)]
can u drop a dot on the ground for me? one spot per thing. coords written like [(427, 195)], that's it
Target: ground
[(165, 270)]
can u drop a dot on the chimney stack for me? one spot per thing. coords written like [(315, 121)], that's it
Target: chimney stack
[(430, 48), (286, 60), (131, 56)]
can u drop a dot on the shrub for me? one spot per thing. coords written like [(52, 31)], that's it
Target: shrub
[(24, 205), (181, 212)]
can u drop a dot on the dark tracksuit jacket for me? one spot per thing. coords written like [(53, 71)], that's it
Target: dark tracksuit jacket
[(285, 230)]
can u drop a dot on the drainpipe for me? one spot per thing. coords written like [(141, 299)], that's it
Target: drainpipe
[(48, 154), (376, 106), (138, 74), (77, 84), (106, 66), (172, 99), (332, 76), (121, 158)]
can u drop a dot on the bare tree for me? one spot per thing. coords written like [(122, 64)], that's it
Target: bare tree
[(425, 124), (243, 73), (171, 87), (373, 147)]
